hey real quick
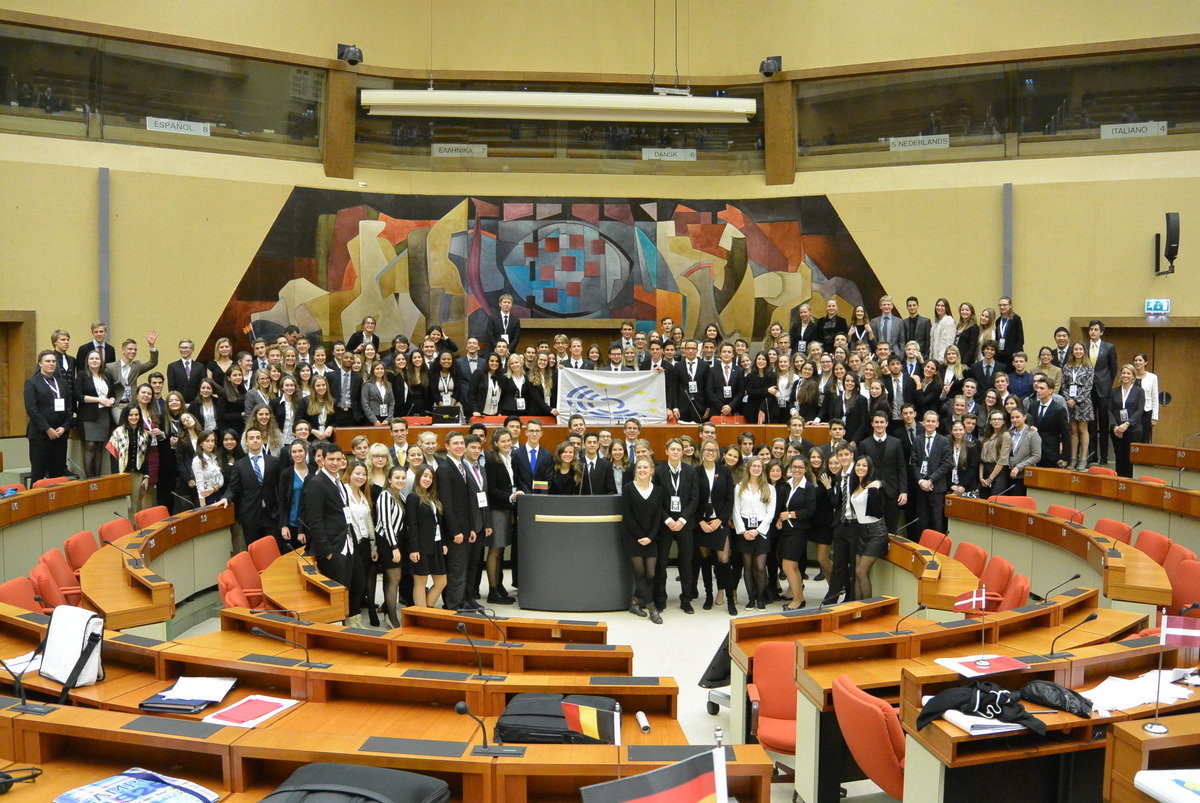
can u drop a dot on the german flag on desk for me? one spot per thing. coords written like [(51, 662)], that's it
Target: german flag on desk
[(699, 779), (593, 722)]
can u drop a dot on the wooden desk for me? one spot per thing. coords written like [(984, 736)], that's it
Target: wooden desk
[(1175, 464), (430, 621), (127, 596), (189, 549), (292, 582), (1129, 749)]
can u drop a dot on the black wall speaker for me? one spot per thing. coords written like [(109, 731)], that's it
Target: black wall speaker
[(1171, 246)]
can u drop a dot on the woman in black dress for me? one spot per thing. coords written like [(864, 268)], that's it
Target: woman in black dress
[(820, 532), (416, 375), (1127, 415), (487, 386), (712, 535), (641, 507), (95, 400), (795, 501), (964, 462), (502, 494), (568, 475), (231, 402), (760, 390), (424, 545), (929, 390), (448, 387), (389, 539)]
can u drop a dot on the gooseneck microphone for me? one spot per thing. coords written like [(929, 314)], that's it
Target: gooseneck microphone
[(1186, 609), (308, 663), (132, 523), (1132, 527), (1091, 617), (515, 751), (190, 504), (1079, 514), (504, 642), (898, 631), (933, 563), (134, 560), (1045, 597), (462, 628), (26, 707)]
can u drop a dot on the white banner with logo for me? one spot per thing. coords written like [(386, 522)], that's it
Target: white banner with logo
[(610, 397)]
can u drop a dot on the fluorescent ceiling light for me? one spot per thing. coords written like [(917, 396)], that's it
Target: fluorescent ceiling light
[(557, 106)]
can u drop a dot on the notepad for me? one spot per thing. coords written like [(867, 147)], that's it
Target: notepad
[(969, 669), (251, 711)]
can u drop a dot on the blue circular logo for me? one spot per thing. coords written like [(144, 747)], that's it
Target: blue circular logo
[(591, 403)]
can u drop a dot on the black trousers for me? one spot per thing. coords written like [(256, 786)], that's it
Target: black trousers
[(929, 509), (48, 458), (1121, 450), (1100, 427), (347, 570), (842, 555), (683, 542)]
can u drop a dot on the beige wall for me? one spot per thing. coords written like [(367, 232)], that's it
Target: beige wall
[(716, 37)]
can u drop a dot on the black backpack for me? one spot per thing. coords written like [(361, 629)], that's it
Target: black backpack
[(354, 783), (536, 718)]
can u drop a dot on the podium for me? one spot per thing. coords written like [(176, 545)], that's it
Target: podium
[(572, 557)]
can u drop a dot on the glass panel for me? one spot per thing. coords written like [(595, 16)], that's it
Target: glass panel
[(895, 118), (46, 81), (232, 103), (559, 146), (1064, 106)]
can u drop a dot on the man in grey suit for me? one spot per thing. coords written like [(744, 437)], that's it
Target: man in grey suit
[(123, 374), (916, 327), (1026, 450), (1104, 367), (888, 326)]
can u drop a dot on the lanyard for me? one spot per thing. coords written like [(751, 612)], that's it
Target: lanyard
[(53, 386)]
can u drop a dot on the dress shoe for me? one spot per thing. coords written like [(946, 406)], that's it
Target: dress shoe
[(732, 607), (685, 605), (497, 597), (708, 601), (638, 610), (762, 605), (656, 617), (373, 616)]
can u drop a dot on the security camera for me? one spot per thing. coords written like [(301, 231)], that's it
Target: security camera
[(351, 54), (771, 65)]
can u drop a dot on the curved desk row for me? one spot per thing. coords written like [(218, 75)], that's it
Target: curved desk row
[(1175, 464), (1174, 512), (1048, 550), (35, 521)]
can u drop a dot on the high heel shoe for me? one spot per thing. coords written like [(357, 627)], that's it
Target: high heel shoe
[(708, 601), (373, 615)]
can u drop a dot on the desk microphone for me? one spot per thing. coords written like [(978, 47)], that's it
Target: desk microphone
[(1189, 438), (1045, 597), (933, 563), (307, 663), (134, 560), (504, 642), (1133, 527), (293, 614), (1178, 483), (461, 627), (132, 523), (190, 504), (1186, 609), (26, 707), (898, 631), (82, 474), (904, 527), (483, 749), (1080, 513), (1091, 617)]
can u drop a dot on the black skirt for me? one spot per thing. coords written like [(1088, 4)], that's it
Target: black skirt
[(793, 545), (761, 544), (430, 563), (715, 540)]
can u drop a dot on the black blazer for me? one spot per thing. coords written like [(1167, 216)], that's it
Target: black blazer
[(285, 493), (938, 468), (299, 410), (1012, 332), (534, 396), (257, 504), (361, 338), (830, 328), (968, 343), (39, 406), (85, 385), (715, 502), (889, 462), (968, 473), (499, 486), (978, 371), (1135, 408), (422, 521), (495, 327), (1054, 429), (855, 415), (457, 501), (716, 389), (804, 334), (689, 491), (918, 328), (929, 397), (540, 472), (691, 406), (110, 354), (335, 390), (479, 390), (584, 364), (758, 399), (641, 517), (321, 503), (908, 390), (600, 480), (177, 379), (460, 390)]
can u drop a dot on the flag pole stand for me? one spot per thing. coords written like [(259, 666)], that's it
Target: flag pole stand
[(982, 662), (1156, 727), (617, 711)]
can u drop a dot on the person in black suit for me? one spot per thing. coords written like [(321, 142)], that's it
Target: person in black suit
[(917, 328), (680, 501), (538, 460), (324, 500), (481, 519), (425, 543), (345, 385), (91, 410), (691, 386), (66, 367), (795, 503), (985, 369), (804, 329), (459, 530), (1010, 332), (929, 476), (1127, 412), (726, 384), (711, 536), (97, 343), (50, 405), (184, 374), (597, 472), (576, 358), (831, 325), (253, 487), (901, 389), (503, 489), (1049, 418), (1104, 373), (503, 325), (1062, 347), (891, 468), (359, 340)]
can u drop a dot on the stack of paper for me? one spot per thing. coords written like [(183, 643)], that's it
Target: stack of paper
[(251, 711), (1171, 786), (980, 726), (1119, 694)]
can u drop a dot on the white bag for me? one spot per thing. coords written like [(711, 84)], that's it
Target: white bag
[(71, 651)]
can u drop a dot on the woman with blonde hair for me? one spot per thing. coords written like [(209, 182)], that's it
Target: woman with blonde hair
[(966, 333), (222, 362), (753, 512), (425, 544)]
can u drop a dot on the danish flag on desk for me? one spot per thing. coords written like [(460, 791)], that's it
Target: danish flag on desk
[(1180, 631), (974, 600)]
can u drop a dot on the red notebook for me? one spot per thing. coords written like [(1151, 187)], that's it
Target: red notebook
[(248, 710)]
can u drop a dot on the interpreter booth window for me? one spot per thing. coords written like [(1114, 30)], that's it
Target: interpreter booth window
[(45, 81), (1128, 102), (573, 146), (958, 114)]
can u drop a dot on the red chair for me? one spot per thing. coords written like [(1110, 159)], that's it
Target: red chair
[(773, 696), (972, 556), (1103, 470), (1176, 555), (1025, 502), (997, 576), (78, 548), (263, 551), (872, 731), (1154, 480), (19, 592), (242, 566), (936, 542), (232, 595), (1017, 593), (419, 420), (47, 482), (1063, 512), (1149, 631), (112, 530), (46, 587), (150, 515), (1154, 545), (1117, 530), (16, 486), (1185, 588), (739, 420), (64, 577)]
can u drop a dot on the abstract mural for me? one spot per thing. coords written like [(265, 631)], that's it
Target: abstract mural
[(333, 257)]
